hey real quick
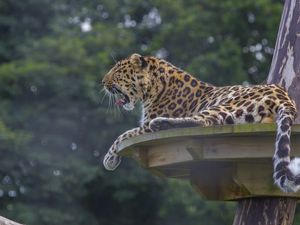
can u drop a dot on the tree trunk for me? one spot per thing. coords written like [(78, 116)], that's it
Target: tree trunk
[(265, 211), (285, 67), (285, 71)]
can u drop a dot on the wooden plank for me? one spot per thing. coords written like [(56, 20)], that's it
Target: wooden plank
[(229, 180), (223, 148), (239, 147), (125, 147), (233, 147), (256, 177), (244, 147), (166, 154), (214, 181)]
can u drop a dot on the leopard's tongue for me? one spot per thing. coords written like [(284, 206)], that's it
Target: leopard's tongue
[(120, 102)]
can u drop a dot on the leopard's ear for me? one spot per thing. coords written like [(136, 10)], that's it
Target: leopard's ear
[(138, 61)]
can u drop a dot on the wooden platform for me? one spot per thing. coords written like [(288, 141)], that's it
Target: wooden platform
[(222, 162)]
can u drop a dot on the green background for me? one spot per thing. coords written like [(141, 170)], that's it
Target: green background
[(56, 124)]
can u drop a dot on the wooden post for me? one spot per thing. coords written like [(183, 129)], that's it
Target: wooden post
[(285, 71), (268, 211)]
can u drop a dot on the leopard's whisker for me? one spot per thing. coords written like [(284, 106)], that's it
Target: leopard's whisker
[(102, 90), (109, 103), (112, 56), (103, 95)]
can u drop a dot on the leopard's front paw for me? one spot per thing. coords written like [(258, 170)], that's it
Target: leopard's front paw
[(111, 161), (160, 123)]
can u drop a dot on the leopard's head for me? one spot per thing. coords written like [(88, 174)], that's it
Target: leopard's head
[(129, 80)]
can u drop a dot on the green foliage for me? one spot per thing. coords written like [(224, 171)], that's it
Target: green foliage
[(20, 22), (56, 125), (183, 208), (133, 198)]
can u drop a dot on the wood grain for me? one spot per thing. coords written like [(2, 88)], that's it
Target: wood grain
[(285, 67), (265, 211)]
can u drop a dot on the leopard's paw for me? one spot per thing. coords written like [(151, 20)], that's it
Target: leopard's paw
[(111, 161), (161, 123)]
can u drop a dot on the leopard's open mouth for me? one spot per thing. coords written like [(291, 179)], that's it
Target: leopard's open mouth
[(122, 98)]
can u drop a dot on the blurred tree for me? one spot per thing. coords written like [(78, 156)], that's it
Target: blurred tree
[(22, 22), (224, 42)]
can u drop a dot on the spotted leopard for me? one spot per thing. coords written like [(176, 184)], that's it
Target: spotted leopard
[(172, 98)]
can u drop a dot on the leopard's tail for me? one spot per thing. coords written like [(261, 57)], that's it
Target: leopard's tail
[(286, 171)]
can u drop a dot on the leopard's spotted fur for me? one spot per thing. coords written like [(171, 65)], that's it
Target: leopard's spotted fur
[(173, 98)]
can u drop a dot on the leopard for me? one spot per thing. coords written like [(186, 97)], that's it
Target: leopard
[(173, 98)]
